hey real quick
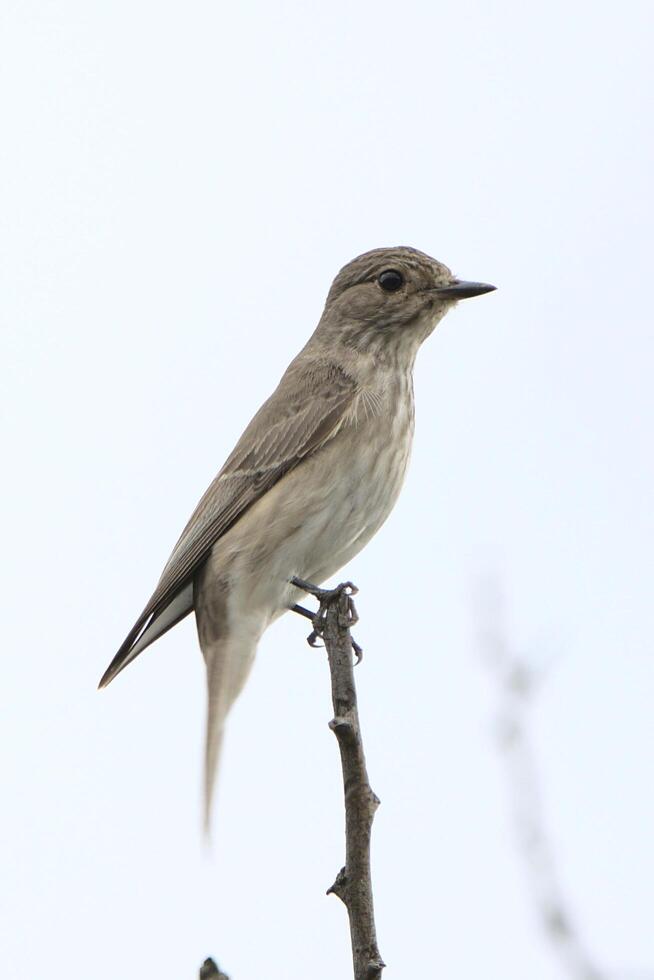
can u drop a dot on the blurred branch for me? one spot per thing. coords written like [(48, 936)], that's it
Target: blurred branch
[(516, 683)]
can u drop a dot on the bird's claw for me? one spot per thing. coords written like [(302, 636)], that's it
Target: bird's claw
[(313, 637), (324, 597)]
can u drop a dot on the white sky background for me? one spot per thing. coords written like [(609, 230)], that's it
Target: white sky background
[(180, 183)]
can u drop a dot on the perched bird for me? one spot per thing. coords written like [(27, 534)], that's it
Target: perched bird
[(313, 477)]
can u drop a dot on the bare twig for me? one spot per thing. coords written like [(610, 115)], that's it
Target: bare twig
[(210, 971), (353, 883), (517, 681)]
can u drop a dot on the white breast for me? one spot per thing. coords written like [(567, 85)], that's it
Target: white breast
[(325, 510)]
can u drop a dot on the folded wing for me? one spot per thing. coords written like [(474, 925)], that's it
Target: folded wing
[(306, 410)]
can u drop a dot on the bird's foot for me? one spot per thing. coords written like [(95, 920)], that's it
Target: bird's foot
[(324, 597)]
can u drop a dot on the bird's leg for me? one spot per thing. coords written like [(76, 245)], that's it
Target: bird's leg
[(303, 611), (323, 596)]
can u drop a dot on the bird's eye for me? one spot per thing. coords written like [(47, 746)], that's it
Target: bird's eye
[(391, 280)]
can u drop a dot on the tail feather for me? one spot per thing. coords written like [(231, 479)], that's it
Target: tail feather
[(229, 660)]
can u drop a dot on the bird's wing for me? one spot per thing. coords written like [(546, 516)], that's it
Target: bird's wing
[(307, 409)]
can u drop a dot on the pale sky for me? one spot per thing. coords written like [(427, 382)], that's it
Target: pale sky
[(179, 185)]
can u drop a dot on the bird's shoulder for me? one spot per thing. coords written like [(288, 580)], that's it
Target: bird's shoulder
[(308, 401)]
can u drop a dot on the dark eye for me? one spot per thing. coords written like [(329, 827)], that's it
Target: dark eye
[(391, 280)]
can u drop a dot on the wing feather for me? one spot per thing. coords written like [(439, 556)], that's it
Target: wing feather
[(305, 411)]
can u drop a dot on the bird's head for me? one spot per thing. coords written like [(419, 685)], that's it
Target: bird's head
[(389, 300)]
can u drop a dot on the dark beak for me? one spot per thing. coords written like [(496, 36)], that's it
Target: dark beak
[(459, 289)]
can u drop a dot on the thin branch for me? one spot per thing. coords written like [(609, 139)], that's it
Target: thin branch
[(353, 884), (210, 971), (517, 681)]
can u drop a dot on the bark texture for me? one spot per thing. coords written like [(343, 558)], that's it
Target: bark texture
[(353, 884)]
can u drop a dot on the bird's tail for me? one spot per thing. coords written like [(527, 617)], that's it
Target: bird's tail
[(229, 660)]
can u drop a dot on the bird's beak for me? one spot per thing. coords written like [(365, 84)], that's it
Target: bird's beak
[(460, 289)]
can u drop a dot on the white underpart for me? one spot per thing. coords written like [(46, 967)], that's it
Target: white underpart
[(309, 524)]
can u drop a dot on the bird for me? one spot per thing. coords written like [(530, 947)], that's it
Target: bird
[(311, 480)]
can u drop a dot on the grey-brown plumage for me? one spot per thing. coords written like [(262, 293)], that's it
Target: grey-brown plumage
[(312, 478)]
